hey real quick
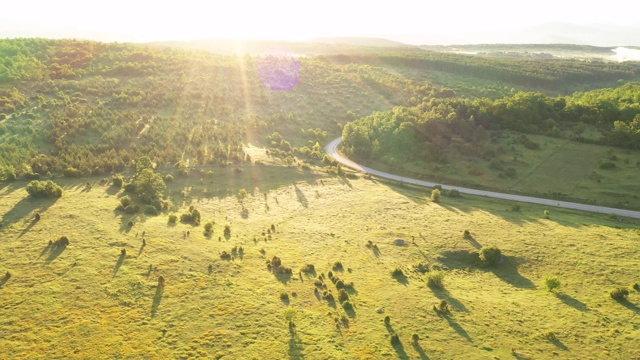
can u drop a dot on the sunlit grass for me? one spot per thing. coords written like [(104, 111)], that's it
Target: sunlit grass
[(81, 303)]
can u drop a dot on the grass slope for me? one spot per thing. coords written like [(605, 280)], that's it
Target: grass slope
[(88, 302)]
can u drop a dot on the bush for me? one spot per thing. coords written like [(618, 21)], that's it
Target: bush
[(435, 279), (347, 306), (284, 297), (168, 178), (151, 210), (37, 217), (435, 195), (343, 296), (227, 230), (45, 189), (619, 293), (453, 193), (387, 320), (117, 181), (125, 201), (193, 216), (607, 165), (208, 227), (490, 255), (636, 287), (415, 338), (71, 172), (551, 282), (337, 266)]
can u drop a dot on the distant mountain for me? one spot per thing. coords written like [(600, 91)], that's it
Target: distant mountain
[(605, 35), (358, 41)]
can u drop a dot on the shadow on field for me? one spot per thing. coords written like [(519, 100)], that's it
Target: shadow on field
[(420, 351), (55, 252), (399, 348), (508, 272), (457, 328), (295, 344), (119, 263), (401, 278), (573, 302), (629, 305), (23, 208), (157, 298), (302, 199), (559, 344), (443, 294), (4, 280)]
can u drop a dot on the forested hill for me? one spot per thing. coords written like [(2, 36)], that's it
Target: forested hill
[(438, 127), (81, 107), (552, 74), (90, 108)]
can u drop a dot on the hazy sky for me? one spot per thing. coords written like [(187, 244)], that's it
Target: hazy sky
[(134, 20)]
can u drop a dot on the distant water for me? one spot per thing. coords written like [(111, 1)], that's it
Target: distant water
[(625, 54)]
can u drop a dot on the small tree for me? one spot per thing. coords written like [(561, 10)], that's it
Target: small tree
[(490, 255), (435, 195), (551, 282), (149, 185)]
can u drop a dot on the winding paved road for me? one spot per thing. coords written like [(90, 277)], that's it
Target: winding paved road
[(332, 150)]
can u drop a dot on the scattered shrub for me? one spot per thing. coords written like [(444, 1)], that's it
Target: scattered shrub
[(442, 307), (309, 268), (63, 241), (276, 262), (343, 296), (551, 282), (415, 338), (46, 189), (130, 223), (168, 178), (208, 228), (338, 266), (453, 193), (192, 216), (227, 230), (161, 281), (125, 201), (387, 320), (435, 279), (225, 256), (490, 255), (123, 252), (117, 181), (37, 217), (466, 234), (173, 218), (435, 195), (546, 214), (421, 268), (339, 284), (619, 293), (636, 287), (151, 210), (131, 209), (284, 297), (607, 165)]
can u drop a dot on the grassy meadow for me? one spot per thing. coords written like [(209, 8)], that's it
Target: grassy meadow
[(87, 301), (577, 168)]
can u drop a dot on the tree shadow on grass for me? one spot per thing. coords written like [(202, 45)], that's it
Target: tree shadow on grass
[(23, 208), (559, 344), (302, 199), (420, 351), (399, 348), (295, 344), (456, 327), (25, 230), (573, 302), (45, 250), (401, 278), (508, 272), (4, 281), (473, 241), (55, 252), (119, 263), (629, 305), (141, 248), (443, 294), (157, 299)]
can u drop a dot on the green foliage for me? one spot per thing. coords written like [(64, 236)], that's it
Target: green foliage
[(619, 293), (490, 255), (125, 201), (208, 227), (46, 189), (192, 216), (551, 282), (227, 231), (435, 279), (149, 185), (172, 218), (117, 181), (453, 193), (435, 195)]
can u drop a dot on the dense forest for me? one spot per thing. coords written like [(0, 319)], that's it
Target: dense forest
[(439, 126)]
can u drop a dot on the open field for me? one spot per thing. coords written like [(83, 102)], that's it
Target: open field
[(574, 167), (86, 301)]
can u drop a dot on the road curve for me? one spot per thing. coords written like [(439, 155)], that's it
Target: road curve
[(332, 150)]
